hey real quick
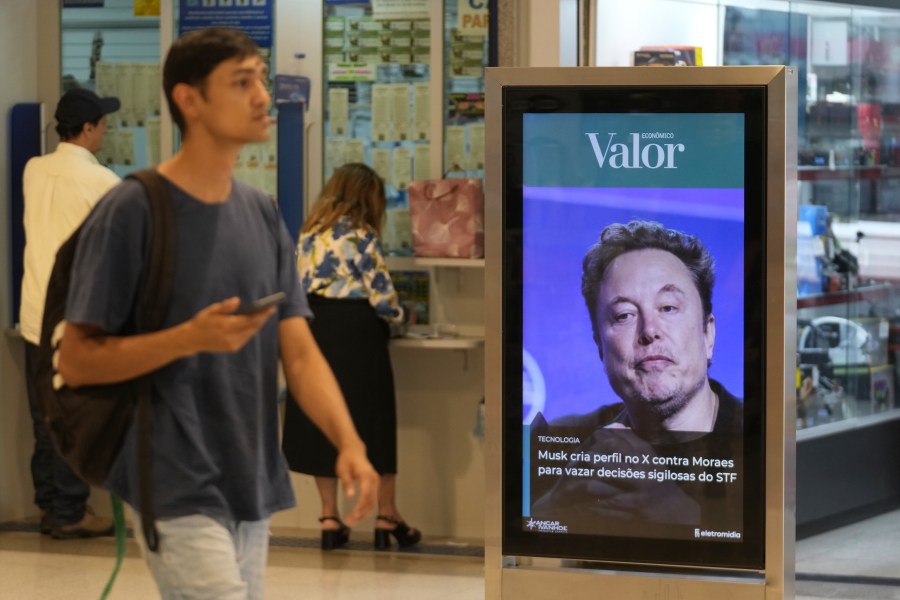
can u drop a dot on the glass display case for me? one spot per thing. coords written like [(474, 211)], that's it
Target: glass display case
[(849, 174), (848, 61)]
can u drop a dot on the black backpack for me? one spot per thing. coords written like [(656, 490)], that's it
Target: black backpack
[(88, 424)]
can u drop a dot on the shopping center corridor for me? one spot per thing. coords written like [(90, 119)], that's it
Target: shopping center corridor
[(852, 563)]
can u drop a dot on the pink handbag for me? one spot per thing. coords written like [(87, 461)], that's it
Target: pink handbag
[(447, 217)]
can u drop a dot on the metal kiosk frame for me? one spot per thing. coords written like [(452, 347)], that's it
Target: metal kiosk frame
[(511, 575)]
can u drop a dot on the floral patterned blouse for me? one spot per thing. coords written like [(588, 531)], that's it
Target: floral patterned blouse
[(343, 262)]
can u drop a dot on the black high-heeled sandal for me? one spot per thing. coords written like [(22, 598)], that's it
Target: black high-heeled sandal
[(334, 538), (404, 534)]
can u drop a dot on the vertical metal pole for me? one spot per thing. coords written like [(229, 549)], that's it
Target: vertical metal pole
[(587, 33), (166, 37)]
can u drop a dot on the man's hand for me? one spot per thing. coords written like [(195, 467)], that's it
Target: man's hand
[(89, 356), (353, 467), (217, 329)]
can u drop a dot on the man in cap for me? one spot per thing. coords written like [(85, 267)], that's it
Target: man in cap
[(60, 190)]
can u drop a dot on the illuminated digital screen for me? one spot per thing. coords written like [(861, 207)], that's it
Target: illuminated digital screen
[(633, 324)]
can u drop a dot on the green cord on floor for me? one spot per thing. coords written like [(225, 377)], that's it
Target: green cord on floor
[(119, 519)]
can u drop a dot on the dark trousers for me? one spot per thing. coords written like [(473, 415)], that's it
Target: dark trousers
[(57, 489)]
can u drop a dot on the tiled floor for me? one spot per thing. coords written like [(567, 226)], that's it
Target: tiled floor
[(35, 567), (868, 552)]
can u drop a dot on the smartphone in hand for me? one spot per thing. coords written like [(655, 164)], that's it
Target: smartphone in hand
[(260, 304)]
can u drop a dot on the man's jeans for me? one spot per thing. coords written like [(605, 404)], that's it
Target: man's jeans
[(200, 558), (57, 489)]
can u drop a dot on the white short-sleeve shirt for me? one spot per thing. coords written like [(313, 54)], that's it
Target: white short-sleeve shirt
[(60, 190)]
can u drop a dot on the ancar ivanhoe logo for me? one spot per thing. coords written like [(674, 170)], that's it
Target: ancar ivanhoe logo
[(624, 156)]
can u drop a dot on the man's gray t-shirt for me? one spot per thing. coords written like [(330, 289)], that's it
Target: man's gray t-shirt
[(215, 420)]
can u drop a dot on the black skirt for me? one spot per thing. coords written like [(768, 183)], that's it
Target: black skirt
[(354, 341)]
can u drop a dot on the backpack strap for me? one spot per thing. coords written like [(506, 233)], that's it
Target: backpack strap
[(160, 273), (158, 279), (272, 217)]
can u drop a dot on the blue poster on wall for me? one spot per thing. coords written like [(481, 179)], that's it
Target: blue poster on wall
[(24, 142), (253, 17)]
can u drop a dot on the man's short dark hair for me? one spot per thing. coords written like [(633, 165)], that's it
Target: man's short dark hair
[(617, 239), (195, 54)]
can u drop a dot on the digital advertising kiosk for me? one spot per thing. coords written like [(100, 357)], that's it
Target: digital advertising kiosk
[(641, 332)]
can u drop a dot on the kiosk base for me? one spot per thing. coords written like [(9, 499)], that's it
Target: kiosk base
[(519, 583)]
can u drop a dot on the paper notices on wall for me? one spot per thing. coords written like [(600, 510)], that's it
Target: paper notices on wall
[(400, 9), (382, 94), (400, 111), (397, 233), (472, 18), (258, 166), (125, 89), (476, 146), (141, 97), (251, 161), (124, 148), (106, 83), (270, 166), (401, 171), (107, 149), (105, 79), (335, 154), (148, 83), (153, 140), (421, 108), (356, 151), (381, 162), (421, 162), (137, 85), (455, 139), (338, 110)]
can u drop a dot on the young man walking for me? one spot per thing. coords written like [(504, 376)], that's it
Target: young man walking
[(218, 471), (60, 189)]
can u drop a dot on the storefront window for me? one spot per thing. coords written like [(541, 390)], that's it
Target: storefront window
[(848, 113), (114, 52), (377, 98), (848, 235)]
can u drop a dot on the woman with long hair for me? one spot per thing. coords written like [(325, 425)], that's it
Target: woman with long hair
[(353, 301)]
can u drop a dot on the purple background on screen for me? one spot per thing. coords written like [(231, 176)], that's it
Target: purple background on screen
[(560, 224)]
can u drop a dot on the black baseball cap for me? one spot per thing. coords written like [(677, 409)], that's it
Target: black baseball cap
[(79, 106)]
